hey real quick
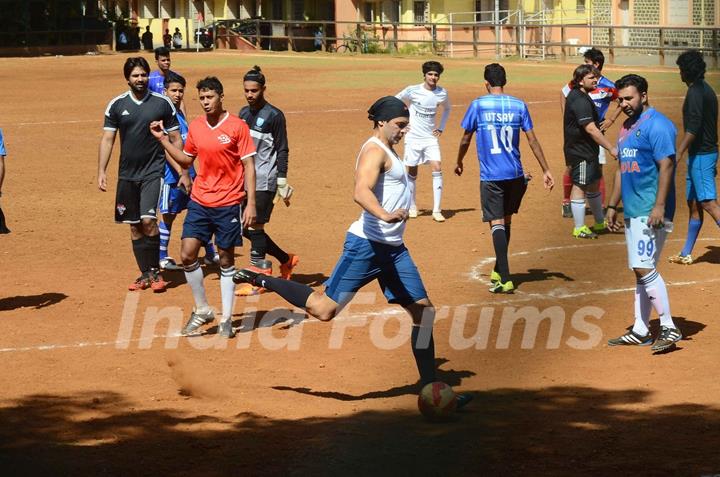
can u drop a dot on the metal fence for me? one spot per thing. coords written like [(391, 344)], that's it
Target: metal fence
[(508, 37)]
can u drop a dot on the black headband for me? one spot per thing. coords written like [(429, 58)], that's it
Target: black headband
[(256, 76), (387, 108)]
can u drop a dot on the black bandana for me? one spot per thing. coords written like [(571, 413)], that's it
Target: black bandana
[(387, 108)]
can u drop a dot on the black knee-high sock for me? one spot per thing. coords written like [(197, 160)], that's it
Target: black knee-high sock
[(152, 251), (274, 250), (138, 246), (258, 245), (501, 248), (424, 352), (293, 292), (507, 234)]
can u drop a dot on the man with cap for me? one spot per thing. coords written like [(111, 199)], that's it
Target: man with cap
[(374, 247)]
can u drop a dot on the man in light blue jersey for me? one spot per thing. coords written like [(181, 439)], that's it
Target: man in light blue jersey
[(176, 184), (498, 119), (645, 183)]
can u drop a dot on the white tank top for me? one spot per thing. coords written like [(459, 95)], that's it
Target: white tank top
[(393, 193)]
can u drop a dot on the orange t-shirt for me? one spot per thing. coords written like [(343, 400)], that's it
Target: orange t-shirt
[(219, 150)]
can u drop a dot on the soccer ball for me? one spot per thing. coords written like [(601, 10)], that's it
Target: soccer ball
[(437, 401)]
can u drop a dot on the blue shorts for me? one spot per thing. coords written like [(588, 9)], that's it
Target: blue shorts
[(363, 261), (702, 169), (173, 200), (224, 222)]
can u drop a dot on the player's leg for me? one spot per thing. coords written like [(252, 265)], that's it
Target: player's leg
[(432, 155), (411, 160), (602, 160), (581, 177), (227, 224), (695, 223), (127, 211), (594, 195), (567, 188), (197, 229), (513, 193), (707, 193), (149, 199)]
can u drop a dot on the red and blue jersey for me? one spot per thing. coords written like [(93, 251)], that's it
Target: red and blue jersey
[(643, 142), (603, 94), (498, 119)]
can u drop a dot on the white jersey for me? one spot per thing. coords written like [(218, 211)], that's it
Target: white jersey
[(423, 104), (393, 193)]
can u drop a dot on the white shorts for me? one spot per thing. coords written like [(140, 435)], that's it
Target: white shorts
[(416, 155), (601, 156), (644, 244)]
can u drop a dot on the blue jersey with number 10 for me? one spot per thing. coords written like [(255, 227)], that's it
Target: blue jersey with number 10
[(498, 119)]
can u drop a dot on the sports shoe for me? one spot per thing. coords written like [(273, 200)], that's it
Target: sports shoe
[(247, 275), (142, 282), (667, 339), (225, 329), (246, 289), (214, 260), (157, 283), (196, 321), (566, 211), (494, 277), (438, 217), (681, 259), (169, 265), (599, 227), (631, 339), (499, 287), (584, 233), (462, 400), (286, 268), (412, 212)]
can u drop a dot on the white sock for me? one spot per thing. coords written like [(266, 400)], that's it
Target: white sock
[(642, 310), (658, 296), (437, 182), (411, 186), (227, 292), (578, 211), (595, 202), (194, 277)]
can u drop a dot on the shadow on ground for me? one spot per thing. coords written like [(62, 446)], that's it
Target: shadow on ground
[(554, 431), (34, 301)]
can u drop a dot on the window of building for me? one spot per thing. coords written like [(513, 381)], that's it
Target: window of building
[(167, 9), (149, 9), (581, 6), (368, 12), (298, 10), (420, 12)]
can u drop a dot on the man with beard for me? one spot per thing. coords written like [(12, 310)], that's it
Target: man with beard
[(142, 162)]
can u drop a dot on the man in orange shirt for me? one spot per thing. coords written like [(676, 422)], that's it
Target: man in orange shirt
[(224, 149)]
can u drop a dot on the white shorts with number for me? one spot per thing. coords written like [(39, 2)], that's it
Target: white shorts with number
[(644, 244), (418, 154), (601, 156)]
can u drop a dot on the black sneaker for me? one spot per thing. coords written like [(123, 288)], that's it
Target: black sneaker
[(196, 321), (631, 339), (245, 275), (667, 339), (463, 400)]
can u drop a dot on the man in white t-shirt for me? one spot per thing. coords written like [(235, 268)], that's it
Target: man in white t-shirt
[(421, 141)]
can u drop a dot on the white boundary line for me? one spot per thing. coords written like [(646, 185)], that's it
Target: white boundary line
[(559, 293)]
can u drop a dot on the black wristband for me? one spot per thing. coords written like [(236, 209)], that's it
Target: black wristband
[(613, 207)]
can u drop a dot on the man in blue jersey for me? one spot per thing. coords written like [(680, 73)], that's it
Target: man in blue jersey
[(700, 141), (374, 248), (498, 119), (645, 183), (156, 81), (176, 184), (3, 153)]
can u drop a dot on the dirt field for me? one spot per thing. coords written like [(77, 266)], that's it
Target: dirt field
[(85, 389)]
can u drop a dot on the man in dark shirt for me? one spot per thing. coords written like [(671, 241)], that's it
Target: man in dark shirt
[(700, 119), (269, 133), (581, 139), (142, 163)]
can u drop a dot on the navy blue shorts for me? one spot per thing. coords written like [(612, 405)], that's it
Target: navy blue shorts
[(224, 222), (363, 261)]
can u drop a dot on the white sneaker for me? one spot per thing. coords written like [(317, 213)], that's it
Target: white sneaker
[(412, 212), (438, 217), (169, 264)]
